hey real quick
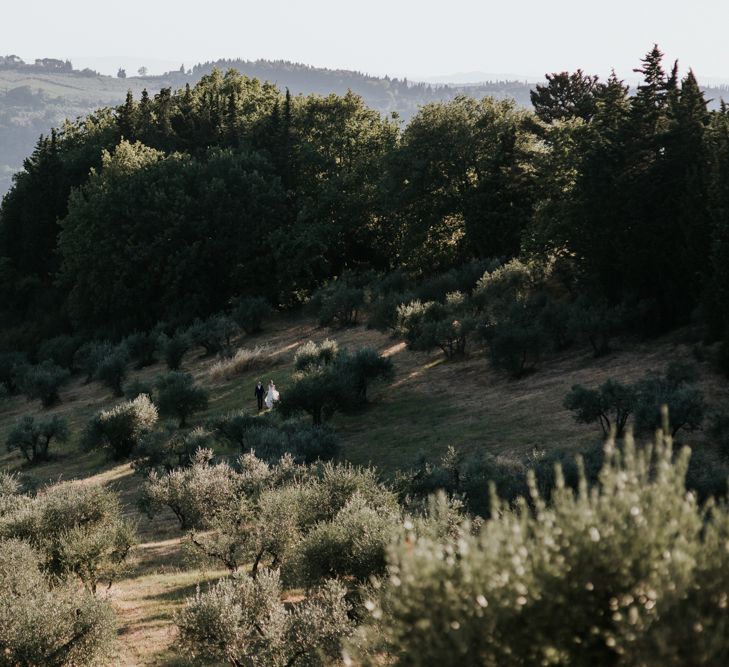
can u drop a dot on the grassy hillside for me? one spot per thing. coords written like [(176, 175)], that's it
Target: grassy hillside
[(429, 406)]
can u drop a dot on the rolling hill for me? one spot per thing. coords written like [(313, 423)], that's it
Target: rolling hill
[(430, 405)]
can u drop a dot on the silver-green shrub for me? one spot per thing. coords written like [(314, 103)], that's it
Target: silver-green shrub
[(243, 621), (632, 571), (120, 430), (44, 621), (78, 531)]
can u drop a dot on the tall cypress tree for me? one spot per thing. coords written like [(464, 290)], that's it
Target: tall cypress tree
[(126, 118)]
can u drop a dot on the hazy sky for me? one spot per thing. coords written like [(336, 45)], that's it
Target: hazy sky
[(396, 37)]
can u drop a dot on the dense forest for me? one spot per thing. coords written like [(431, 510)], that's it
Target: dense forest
[(189, 199), (37, 96)]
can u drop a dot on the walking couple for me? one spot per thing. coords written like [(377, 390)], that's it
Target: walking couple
[(267, 397)]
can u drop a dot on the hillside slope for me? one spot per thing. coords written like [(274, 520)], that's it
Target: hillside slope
[(429, 406)]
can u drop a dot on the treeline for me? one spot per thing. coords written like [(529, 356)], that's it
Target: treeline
[(170, 207), (53, 65), (386, 94)]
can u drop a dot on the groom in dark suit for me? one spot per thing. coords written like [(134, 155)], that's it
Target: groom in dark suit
[(260, 393)]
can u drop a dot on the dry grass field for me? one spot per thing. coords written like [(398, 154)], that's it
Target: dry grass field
[(429, 406)]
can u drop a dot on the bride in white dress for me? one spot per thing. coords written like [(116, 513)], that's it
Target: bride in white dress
[(272, 394)]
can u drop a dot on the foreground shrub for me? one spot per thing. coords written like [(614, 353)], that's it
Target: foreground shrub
[(78, 530), (44, 382), (352, 544), (280, 504), (120, 430), (48, 622), (242, 621), (33, 438), (631, 572), (250, 312), (179, 396), (242, 361), (112, 370)]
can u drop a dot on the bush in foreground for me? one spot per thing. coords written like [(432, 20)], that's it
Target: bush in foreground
[(48, 622), (78, 530), (242, 621), (196, 494), (630, 572)]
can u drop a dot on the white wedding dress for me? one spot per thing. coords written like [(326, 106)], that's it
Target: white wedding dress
[(271, 396)]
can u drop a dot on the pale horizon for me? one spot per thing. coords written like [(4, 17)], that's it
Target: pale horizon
[(421, 41)]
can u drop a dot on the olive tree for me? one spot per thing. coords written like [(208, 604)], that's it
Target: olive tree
[(610, 405), (112, 370), (43, 382), (179, 396), (195, 494), (33, 438), (250, 312), (47, 621), (120, 429), (77, 529)]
